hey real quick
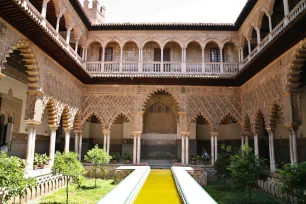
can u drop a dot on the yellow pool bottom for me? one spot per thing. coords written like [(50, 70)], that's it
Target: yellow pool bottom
[(159, 188)]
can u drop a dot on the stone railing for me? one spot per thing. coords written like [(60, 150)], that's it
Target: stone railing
[(45, 184), (175, 68), (48, 28), (293, 14), (270, 186)]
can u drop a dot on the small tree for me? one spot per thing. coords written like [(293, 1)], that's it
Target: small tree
[(12, 180), (67, 164), (293, 179), (98, 157), (246, 169), (223, 161)]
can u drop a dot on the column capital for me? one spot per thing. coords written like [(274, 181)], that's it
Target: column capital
[(53, 127), (214, 134), (67, 130), (32, 123), (106, 132), (185, 134), (137, 133), (291, 126), (270, 130)]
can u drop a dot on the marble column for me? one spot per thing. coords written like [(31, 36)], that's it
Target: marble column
[(187, 149), (246, 140), (58, 18), (272, 153), (270, 23), (293, 146), (67, 140), (242, 140), (76, 142), (256, 144), (216, 147), (52, 145), (104, 142), (80, 145), (212, 140), (44, 8), (68, 34), (31, 145), (134, 148), (183, 149), (108, 143), (9, 134), (258, 36), (249, 46), (138, 148)]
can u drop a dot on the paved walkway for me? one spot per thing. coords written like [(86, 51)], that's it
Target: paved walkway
[(159, 188)]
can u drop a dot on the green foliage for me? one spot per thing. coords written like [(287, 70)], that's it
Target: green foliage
[(223, 161), (12, 180), (127, 157), (41, 159), (84, 194), (195, 157), (225, 193), (246, 169), (98, 157), (115, 156), (68, 165), (293, 179)]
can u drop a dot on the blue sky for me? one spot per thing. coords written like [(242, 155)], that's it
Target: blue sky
[(197, 11)]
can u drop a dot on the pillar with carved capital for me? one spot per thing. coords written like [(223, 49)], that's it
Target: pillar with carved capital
[(286, 11), (134, 148), (69, 28), (138, 148), (104, 141), (107, 139), (258, 36), (212, 142), (187, 149), (242, 140), (249, 46), (58, 18), (80, 145), (76, 142), (67, 139), (256, 144), (32, 125), (246, 140), (44, 8), (53, 129), (271, 149), (183, 149), (293, 145)]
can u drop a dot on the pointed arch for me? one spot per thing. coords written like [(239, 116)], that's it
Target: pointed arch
[(258, 115), (88, 115), (261, 14), (209, 121), (246, 124), (92, 40), (230, 40), (52, 112), (168, 91), (67, 118), (230, 115), (113, 119), (29, 60), (273, 115), (295, 68), (77, 122)]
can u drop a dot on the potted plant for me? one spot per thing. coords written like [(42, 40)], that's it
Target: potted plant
[(198, 159), (115, 157), (44, 160), (127, 158), (36, 161), (193, 159)]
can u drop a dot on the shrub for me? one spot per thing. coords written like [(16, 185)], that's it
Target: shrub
[(12, 180), (223, 161), (246, 169), (293, 179), (68, 165), (98, 157)]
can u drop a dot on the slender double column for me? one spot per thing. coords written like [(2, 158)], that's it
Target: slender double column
[(67, 139), (214, 147), (32, 125), (53, 129), (137, 147), (256, 149), (293, 145), (271, 150), (106, 144), (185, 148), (80, 145)]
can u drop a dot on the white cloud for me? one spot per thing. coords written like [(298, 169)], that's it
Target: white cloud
[(200, 11)]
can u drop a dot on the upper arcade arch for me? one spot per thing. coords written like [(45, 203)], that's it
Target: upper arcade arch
[(114, 118), (173, 40), (224, 118), (212, 40), (150, 41), (131, 40), (113, 40), (194, 40)]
